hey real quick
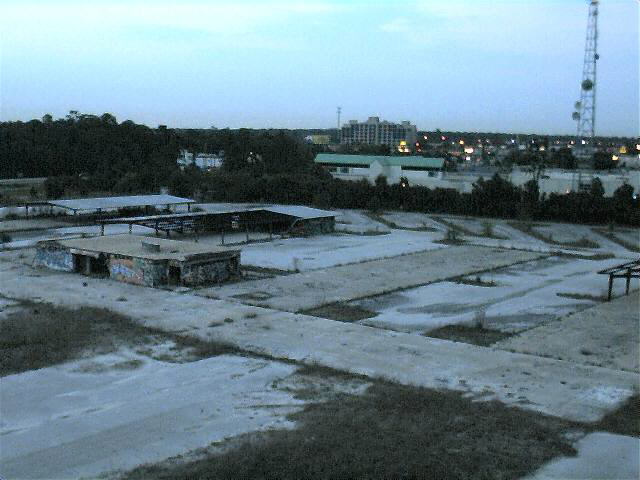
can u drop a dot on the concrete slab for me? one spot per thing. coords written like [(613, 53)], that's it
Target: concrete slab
[(23, 225), (73, 420), (607, 335), (560, 388), (601, 456), (303, 291), (523, 296)]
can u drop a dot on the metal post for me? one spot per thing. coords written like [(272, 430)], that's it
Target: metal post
[(102, 229), (610, 286), (628, 280), (130, 228)]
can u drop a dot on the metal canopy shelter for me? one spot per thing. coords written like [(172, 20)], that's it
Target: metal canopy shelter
[(626, 270), (271, 219), (112, 203)]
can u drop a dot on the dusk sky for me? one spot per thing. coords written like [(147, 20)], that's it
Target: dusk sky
[(512, 66)]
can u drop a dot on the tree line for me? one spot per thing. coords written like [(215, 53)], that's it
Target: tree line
[(84, 154)]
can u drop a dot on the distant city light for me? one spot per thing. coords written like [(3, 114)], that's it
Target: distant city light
[(461, 142), (468, 150), (443, 138), (584, 142), (468, 159), (425, 137), (615, 158), (638, 147), (623, 149)]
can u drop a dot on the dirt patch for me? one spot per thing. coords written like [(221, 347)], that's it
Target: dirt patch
[(617, 239), (476, 281), (342, 312), (257, 296), (390, 431), (483, 337), (41, 335), (582, 296), (529, 229), (624, 421)]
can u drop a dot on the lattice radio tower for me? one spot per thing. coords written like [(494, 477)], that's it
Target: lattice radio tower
[(585, 113)]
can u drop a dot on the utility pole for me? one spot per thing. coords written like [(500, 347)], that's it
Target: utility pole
[(585, 113)]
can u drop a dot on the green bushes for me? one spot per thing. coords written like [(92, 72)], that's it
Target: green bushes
[(492, 198)]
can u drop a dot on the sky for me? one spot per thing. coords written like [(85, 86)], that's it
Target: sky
[(466, 65)]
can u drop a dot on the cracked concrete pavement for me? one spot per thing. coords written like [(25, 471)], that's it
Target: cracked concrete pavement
[(555, 387)]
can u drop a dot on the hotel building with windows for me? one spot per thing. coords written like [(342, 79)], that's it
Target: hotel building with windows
[(398, 136)]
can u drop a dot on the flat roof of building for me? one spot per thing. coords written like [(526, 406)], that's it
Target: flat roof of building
[(132, 246), (119, 202), (296, 211), (299, 211)]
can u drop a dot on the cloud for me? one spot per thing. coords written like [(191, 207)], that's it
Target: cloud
[(32, 20), (517, 27), (399, 25)]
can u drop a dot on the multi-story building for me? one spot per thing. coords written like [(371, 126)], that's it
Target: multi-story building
[(398, 136), (204, 161)]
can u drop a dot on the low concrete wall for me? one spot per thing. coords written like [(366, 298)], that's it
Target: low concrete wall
[(210, 272), (49, 256)]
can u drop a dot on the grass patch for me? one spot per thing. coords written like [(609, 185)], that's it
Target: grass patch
[(391, 431), (367, 233), (41, 335), (582, 296), (529, 229), (342, 312), (487, 229), (476, 335), (379, 218), (624, 421), (477, 281), (597, 257)]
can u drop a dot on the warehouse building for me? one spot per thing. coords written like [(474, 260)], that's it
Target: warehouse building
[(140, 260), (413, 169)]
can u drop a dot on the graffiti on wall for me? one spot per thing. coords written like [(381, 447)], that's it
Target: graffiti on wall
[(125, 270), (138, 271), (54, 258)]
